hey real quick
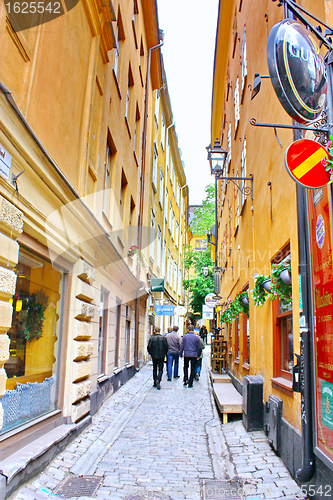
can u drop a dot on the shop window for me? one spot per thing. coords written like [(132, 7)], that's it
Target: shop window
[(236, 329), (283, 339), (246, 340), (35, 339)]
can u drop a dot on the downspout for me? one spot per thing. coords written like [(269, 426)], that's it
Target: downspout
[(306, 472), (142, 188)]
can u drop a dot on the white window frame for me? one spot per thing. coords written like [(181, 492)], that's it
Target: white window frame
[(152, 235), (160, 194), (243, 62), (159, 247), (154, 169), (243, 171), (236, 105)]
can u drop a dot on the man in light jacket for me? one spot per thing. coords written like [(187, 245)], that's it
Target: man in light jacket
[(173, 340), (191, 347), (157, 348)]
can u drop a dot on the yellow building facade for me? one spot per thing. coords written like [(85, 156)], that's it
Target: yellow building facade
[(258, 231), (76, 135)]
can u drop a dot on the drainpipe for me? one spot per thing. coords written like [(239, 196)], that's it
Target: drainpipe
[(142, 187), (306, 472)]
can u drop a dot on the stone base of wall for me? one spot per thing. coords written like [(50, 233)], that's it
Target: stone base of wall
[(108, 386)]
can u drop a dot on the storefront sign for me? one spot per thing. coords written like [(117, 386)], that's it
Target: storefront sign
[(210, 301), (157, 285), (5, 162), (164, 310), (303, 162), (207, 312), (322, 279), (297, 70)]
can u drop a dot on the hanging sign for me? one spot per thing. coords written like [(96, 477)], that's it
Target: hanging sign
[(303, 161), (157, 285), (322, 282), (210, 301), (164, 310), (207, 312), (5, 162), (297, 70)]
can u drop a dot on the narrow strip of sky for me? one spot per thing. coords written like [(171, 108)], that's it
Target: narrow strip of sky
[(190, 28)]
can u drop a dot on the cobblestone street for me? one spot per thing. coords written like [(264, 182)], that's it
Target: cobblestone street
[(169, 441)]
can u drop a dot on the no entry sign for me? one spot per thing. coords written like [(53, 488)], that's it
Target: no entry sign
[(303, 161)]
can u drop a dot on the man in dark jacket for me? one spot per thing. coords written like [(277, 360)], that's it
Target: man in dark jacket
[(157, 348), (173, 339), (191, 347)]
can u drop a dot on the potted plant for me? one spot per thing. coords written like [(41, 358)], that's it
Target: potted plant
[(280, 287), (259, 293), (242, 302), (134, 250)]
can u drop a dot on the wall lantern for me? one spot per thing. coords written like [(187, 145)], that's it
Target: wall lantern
[(205, 271), (217, 157)]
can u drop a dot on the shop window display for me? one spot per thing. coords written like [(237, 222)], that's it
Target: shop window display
[(32, 378)]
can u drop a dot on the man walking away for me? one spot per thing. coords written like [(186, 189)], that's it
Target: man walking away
[(157, 348), (173, 340), (198, 366), (191, 347)]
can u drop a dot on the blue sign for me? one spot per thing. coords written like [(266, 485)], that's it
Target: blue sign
[(164, 310)]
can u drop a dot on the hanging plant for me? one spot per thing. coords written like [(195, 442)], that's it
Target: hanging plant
[(235, 307), (242, 302), (34, 305), (279, 287), (134, 250), (259, 294)]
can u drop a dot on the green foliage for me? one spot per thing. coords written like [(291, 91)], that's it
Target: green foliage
[(259, 294), (197, 284), (278, 287), (34, 305), (328, 162), (204, 217), (234, 308)]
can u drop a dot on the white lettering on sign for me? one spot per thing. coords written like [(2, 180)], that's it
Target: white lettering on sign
[(5, 162)]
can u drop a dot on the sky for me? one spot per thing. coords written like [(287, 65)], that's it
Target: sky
[(190, 28)]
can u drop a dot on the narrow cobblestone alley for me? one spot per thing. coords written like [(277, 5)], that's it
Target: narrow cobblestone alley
[(169, 441)]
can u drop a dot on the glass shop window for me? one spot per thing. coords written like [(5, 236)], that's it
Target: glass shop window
[(35, 337)]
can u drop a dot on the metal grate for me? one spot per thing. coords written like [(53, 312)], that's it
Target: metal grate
[(79, 486), (223, 490)]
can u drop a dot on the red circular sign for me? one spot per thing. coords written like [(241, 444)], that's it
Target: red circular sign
[(303, 160)]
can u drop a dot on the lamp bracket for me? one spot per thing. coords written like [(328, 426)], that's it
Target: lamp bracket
[(298, 11), (321, 132), (246, 190), (216, 268)]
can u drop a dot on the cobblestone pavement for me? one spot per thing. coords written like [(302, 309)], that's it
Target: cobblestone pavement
[(170, 441)]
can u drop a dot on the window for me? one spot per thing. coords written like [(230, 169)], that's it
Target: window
[(103, 331), (142, 53), (283, 336), (175, 273), (109, 162), (152, 235), (166, 196), (177, 234), (179, 290), (170, 216), (117, 336), (136, 135), (35, 341), (157, 105), (243, 63), (160, 194), (132, 212), (177, 193), (181, 243), (154, 170), (130, 84), (168, 266), (171, 271), (159, 247), (173, 226), (236, 105), (229, 144), (120, 37), (127, 340), (135, 21), (162, 131), (123, 186)]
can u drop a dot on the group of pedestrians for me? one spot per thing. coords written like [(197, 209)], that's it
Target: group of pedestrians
[(172, 346)]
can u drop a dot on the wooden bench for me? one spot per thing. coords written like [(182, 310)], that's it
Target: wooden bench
[(227, 399)]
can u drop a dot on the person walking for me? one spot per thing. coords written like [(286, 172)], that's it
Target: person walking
[(173, 340), (191, 347), (198, 365), (203, 333), (157, 348)]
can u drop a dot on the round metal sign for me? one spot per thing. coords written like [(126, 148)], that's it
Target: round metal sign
[(303, 160), (297, 70), (209, 300)]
